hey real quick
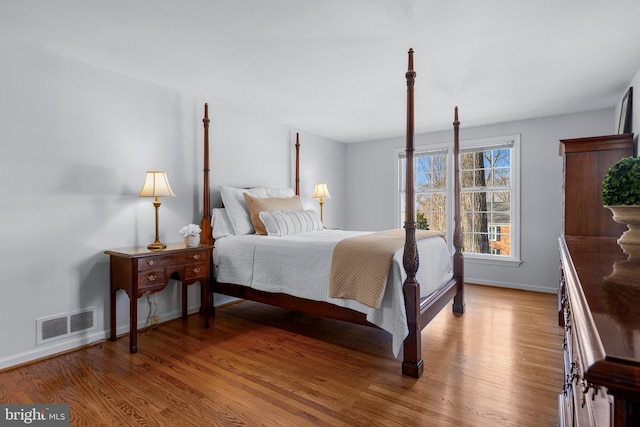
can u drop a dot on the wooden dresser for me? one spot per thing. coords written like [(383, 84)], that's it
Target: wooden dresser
[(599, 295), (602, 333), (585, 162)]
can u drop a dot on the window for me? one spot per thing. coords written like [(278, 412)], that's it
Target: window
[(489, 197), (430, 172), (494, 233)]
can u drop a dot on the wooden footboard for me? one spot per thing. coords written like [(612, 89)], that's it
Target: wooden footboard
[(420, 311)]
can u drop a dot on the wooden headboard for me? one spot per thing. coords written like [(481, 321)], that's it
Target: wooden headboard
[(206, 236)]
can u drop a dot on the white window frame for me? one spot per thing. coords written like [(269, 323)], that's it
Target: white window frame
[(471, 145)]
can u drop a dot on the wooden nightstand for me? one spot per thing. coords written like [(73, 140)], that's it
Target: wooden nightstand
[(138, 270)]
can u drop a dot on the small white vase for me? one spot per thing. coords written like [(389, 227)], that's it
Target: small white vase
[(192, 241), (629, 215)]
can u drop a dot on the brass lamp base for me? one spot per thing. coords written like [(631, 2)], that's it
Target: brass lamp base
[(156, 246)]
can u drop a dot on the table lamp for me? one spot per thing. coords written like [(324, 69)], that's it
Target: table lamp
[(156, 185), (321, 192)]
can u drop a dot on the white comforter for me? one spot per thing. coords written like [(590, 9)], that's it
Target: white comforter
[(300, 265)]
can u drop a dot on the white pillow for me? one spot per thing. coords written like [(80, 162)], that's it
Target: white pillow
[(220, 223), (236, 207), (281, 223)]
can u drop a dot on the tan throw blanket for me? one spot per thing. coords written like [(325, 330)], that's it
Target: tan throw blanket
[(360, 265)]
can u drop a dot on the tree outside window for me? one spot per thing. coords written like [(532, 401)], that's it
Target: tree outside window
[(485, 177)]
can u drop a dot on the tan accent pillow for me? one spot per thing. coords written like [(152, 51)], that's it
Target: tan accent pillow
[(271, 204)]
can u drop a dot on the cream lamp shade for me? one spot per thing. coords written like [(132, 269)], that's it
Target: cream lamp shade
[(321, 192), (156, 184)]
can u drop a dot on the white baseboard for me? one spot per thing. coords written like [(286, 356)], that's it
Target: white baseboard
[(51, 349)]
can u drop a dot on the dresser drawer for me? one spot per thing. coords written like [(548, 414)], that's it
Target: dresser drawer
[(565, 409)]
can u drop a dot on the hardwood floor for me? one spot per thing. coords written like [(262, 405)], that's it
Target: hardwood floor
[(500, 364)]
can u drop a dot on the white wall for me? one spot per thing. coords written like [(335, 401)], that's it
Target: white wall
[(324, 160), (75, 142), (371, 203)]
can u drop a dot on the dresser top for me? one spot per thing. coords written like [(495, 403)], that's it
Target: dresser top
[(610, 290)]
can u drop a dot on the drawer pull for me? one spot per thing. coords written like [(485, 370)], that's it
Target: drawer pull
[(151, 277), (151, 262), (196, 270), (196, 256), (586, 386), (574, 373)]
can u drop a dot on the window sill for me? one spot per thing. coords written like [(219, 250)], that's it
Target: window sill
[(506, 262)]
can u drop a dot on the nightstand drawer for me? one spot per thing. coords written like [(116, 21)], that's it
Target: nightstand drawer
[(196, 270), (197, 256), (170, 260), (150, 278), (154, 263)]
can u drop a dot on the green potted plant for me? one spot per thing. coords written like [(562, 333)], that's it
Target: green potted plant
[(621, 195)]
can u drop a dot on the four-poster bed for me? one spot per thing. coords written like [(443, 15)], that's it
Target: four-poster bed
[(417, 306)]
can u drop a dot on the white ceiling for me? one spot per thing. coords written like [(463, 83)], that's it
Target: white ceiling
[(336, 67)]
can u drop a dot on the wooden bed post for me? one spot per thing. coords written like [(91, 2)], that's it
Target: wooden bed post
[(458, 260), (206, 236), (297, 180), (412, 365)]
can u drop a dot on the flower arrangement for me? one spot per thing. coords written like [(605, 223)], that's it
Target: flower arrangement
[(190, 230)]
